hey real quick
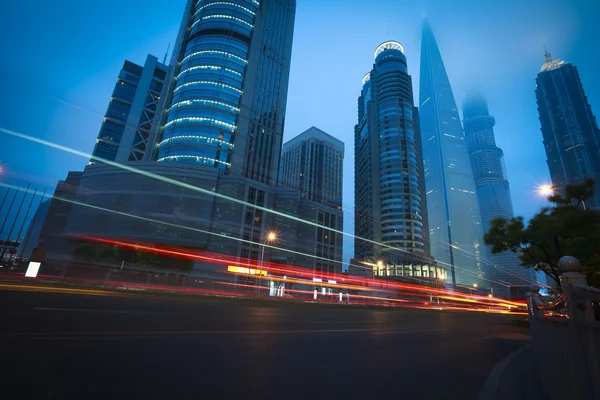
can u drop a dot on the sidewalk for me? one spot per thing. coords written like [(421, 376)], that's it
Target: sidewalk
[(514, 378)]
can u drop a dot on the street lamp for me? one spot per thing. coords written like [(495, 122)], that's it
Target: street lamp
[(270, 238), (546, 190)]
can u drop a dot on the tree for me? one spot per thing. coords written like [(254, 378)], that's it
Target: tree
[(564, 229)]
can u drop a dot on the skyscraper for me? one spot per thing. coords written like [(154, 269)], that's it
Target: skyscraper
[(569, 128), (312, 163), (454, 219), (311, 189), (388, 173), (227, 99), (130, 113), (493, 192), (218, 128)]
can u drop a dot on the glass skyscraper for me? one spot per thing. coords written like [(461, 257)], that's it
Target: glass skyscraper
[(493, 192), (388, 172), (569, 128), (218, 128), (454, 218), (226, 102)]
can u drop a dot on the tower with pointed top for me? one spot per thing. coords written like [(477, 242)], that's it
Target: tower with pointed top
[(454, 220), (569, 128)]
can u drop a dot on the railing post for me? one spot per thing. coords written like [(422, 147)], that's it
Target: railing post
[(577, 310), (571, 275), (532, 301)]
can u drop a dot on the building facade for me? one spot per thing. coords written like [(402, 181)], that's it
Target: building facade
[(226, 101), (312, 163), (454, 218), (311, 189), (491, 183), (129, 117), (53, 239), (208, 177), (569, 128), (388, 173), (316, 246)]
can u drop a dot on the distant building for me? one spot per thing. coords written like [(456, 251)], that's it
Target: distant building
[(493, 191), (454, 218), (34, 230), (311, 189), (128, 121), (53, 239), (312, 163), (569, 128), (390, 204)]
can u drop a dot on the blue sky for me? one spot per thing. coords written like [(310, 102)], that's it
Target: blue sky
[(60, 60)]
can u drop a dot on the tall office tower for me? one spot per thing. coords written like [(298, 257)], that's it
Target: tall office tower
[(217, 132), (129, 117), (454, 218), (311, 189), (312, 163), (493, 192), (227, 99), (387, 172), (571, 135)]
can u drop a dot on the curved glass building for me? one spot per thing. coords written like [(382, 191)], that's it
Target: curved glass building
[(201, 121), (454, 218), (388, 164), (226, 103)]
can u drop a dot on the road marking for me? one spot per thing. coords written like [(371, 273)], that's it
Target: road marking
[(74, 335), (101, 311), (34, 288), (405, 331)]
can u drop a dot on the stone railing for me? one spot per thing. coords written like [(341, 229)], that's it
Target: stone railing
[(566, 337)]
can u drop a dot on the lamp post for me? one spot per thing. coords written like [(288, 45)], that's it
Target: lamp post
[(271, 237), (546, 190)]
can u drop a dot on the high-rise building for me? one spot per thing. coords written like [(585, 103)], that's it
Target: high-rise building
[(388, 175), (569, 128), (212, 159), (454, 219), (130, 113), (312, 164), (311, 189), (227, 96), (493, 192)]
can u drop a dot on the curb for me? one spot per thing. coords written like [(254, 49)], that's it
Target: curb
[(492, 383)]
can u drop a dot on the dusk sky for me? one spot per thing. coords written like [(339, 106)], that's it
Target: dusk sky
[(60, 61)]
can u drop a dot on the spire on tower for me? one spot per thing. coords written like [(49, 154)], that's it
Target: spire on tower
[(166, 54), (547, 56)]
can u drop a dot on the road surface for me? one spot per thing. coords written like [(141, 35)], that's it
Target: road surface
[(77, 346)]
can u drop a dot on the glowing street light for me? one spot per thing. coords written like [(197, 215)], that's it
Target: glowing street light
[(546, 190), (270, 238)]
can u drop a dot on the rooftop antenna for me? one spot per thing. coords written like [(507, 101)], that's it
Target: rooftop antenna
[(166, 53), (547, 56)]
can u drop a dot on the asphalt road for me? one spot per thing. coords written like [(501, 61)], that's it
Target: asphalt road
[(74, 346)]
